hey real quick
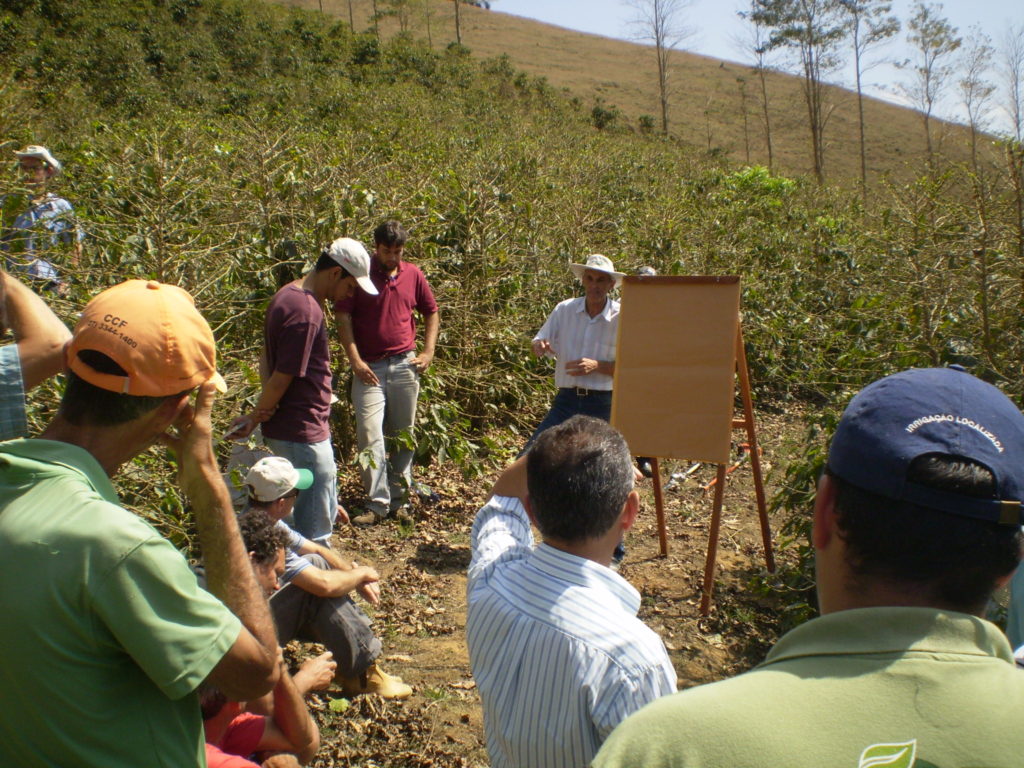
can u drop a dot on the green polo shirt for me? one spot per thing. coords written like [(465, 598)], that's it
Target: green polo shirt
[(866, 688), (104, 632)]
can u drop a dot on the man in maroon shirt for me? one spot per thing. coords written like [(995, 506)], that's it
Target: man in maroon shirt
[(378, 333), (295, 366)]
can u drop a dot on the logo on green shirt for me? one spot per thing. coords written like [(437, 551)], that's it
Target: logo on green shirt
[(889, 755)]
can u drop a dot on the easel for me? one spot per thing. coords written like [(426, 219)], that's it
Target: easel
[(723, 314), (745, 423)]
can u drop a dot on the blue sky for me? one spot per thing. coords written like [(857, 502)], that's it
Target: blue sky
[(716, 27)]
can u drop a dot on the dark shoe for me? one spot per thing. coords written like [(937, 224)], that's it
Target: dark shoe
[(644, 465)]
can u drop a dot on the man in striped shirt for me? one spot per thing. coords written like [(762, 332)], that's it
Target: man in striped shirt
[(558, 653)]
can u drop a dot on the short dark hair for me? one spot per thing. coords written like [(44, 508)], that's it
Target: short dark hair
[(956, 560), (579, 474), (85, 404), (260, 535), (391, 232), (325, 261), (211, 700)]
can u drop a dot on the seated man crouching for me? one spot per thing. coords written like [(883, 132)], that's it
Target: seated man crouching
[(313, 603)]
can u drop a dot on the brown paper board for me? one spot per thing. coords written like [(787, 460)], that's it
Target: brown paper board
[(675, 366)]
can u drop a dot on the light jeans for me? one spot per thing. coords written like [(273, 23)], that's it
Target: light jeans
[(382, 411), (316, 507)]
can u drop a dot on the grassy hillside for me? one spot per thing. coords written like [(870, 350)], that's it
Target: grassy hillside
[(707, 107)]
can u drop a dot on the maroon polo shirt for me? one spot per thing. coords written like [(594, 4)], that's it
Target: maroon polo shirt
[(385, 324), (295, 335)]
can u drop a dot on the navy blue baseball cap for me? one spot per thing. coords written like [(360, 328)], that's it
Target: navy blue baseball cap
[(932, 411)]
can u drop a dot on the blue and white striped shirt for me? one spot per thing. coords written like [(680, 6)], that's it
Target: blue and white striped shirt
[(557, 651), (574, 334)]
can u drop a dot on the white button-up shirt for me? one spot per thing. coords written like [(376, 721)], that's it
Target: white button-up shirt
[(558, 653), (573, 334)]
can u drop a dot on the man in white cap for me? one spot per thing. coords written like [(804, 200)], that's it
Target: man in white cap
[(34, 228), (294, 405), (580, 335), (314, 601)]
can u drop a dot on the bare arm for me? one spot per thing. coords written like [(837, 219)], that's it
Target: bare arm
[(333, 559), (292, 729), (432, 325), (348, 342), (273, 390), (330, 583), (39, 333), (249, 669), (370, 590)]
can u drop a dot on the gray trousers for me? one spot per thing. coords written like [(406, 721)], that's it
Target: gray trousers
[(336, 622)]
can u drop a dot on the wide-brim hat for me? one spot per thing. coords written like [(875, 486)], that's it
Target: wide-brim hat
[(599, 263), (37, 150)]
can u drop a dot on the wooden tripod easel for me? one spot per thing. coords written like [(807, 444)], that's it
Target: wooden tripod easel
[(746, 423)]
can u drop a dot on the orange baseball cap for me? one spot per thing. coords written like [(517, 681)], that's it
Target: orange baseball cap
[(154, 332)]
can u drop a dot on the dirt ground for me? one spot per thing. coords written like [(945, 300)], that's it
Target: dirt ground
[(421, 619)]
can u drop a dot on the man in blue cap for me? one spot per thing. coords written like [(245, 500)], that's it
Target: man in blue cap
[(916, 522)]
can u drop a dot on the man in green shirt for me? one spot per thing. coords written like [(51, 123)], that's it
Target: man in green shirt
[(916, 522), (105, 632)]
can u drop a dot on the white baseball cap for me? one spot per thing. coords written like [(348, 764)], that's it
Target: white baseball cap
[(36, 150), (353, 258), (273, 477)]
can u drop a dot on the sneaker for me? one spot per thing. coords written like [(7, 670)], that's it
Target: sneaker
[(375, 680), (369, 517)]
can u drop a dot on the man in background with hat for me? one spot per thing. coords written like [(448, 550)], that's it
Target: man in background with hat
[(34, 228), (916, 523), (106, 633), (580, 335), (294, 405), (378, 332), (314, 601)]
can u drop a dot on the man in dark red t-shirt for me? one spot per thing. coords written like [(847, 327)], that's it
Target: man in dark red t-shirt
[(378, 333), (295, 366)]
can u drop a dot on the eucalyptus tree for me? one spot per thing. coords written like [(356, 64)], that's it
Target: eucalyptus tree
[(662, 23), (812, 30), (756, 45), (975, 89), (933, 40), (869, 23), (1012, 61)]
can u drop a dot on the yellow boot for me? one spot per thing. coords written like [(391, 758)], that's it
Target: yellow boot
[(376, 680)]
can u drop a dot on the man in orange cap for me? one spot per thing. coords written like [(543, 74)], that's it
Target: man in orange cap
[(107, 635)]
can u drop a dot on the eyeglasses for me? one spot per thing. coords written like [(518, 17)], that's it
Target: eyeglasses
[(291, 495)]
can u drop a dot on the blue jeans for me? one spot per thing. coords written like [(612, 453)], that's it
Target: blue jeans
[(316, 508), (384, 410), (568, 404)]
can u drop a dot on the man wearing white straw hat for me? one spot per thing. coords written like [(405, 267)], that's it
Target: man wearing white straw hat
[(580, 335), (37, 226)]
